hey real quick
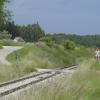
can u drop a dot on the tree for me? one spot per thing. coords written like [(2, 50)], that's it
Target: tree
[(48, 40), (4, 14), (13, 29), (69, 44), (5, 35), (30, 33)]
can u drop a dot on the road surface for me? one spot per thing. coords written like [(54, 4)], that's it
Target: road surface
[(5, 51)]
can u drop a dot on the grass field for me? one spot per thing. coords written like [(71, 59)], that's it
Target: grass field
[(84, 84), (0, 46), (43, 56), (16, 70)]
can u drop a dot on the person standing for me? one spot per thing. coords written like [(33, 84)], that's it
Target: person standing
[(97, 54)]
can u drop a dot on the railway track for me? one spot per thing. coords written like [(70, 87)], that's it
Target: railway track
[(15, 85)]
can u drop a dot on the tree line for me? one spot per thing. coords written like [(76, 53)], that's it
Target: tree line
[(4, 14), (8, 29), (86, 40), (34, 32), (30, 33)]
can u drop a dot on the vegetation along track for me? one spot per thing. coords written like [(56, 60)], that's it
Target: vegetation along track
[(15, 85)]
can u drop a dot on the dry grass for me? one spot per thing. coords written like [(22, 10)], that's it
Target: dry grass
[(82, 85)]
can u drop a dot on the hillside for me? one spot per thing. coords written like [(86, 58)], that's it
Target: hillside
[(40, 55), (86, 40), (43, 56)]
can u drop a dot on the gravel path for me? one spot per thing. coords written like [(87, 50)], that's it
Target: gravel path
[(5, 51)]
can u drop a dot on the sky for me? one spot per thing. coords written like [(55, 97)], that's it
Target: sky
[(59, 16)]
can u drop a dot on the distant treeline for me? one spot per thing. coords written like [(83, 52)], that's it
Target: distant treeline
[(86, 40), (33, 32)]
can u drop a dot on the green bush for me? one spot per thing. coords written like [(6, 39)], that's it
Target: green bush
[(69, 44), (48, 40), (5, 35), (9, 42)]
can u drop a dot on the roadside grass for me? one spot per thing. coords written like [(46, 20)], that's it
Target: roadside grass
[(9, 42), (16, 70), (92, 63), (96, 65), (43, 56), (1, 46), (84, 84)]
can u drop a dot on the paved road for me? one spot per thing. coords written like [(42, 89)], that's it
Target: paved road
[(5, 51)]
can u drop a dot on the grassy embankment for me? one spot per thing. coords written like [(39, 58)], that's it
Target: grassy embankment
[(41, 56), (11, 71), (34, 56)]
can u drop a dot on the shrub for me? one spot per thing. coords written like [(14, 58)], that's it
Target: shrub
[(69, 44), (9, 42), (5, 35), (48, 40)]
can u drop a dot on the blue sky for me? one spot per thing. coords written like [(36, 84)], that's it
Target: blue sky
[(66, 16)]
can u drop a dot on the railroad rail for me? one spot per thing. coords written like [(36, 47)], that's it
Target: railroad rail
[(15, 85)]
